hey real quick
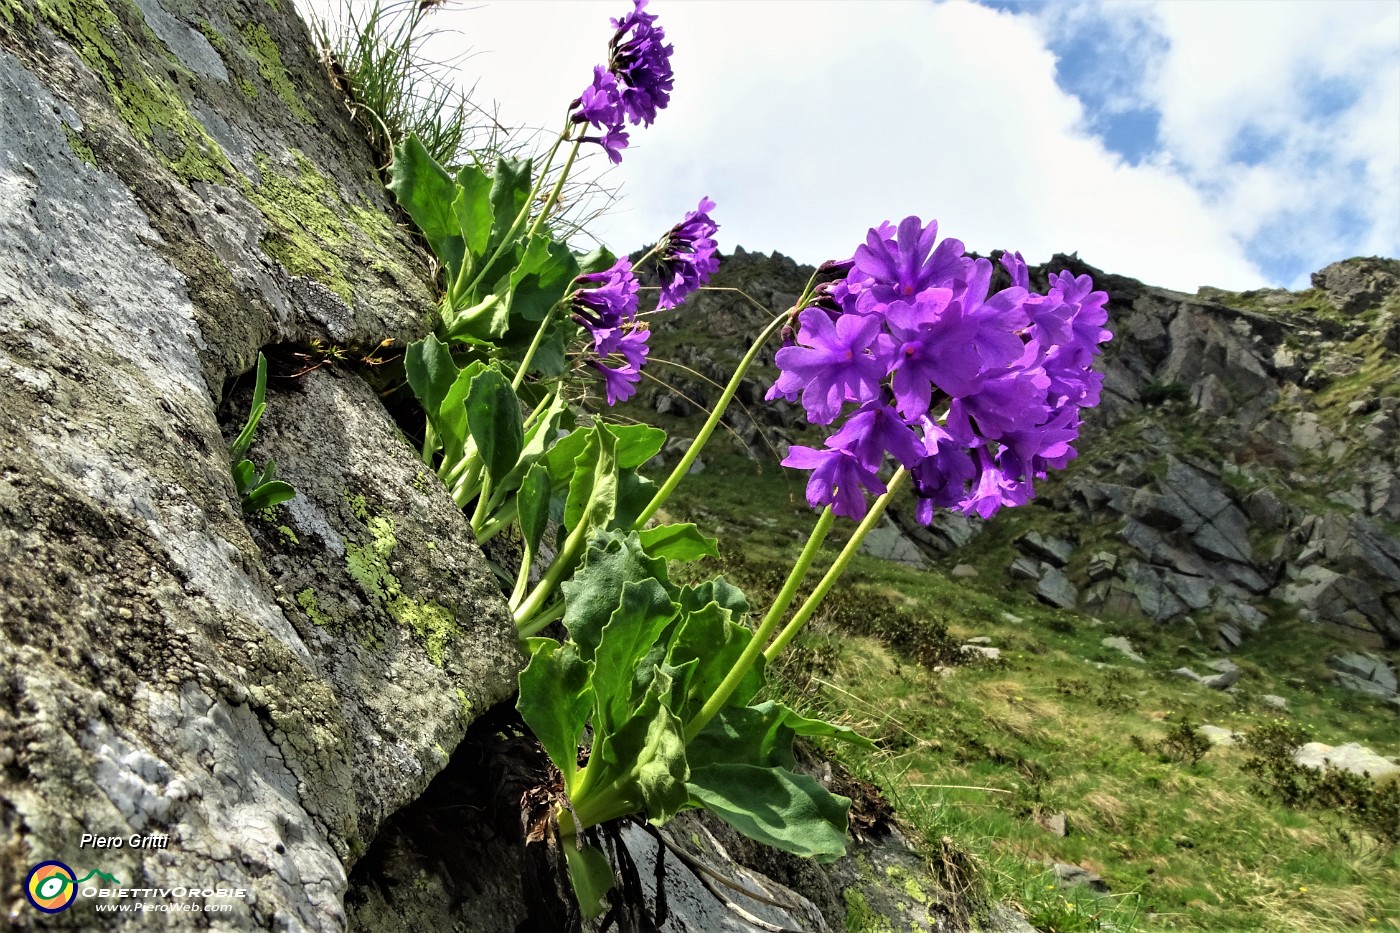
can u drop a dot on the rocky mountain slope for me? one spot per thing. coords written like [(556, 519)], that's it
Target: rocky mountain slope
[(1244, 465)]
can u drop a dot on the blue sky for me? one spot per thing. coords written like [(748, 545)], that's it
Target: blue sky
[(1230, 143)]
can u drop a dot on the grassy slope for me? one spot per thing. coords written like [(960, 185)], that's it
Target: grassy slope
[(1049, 730)]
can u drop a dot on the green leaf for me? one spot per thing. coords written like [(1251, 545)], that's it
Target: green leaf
[(562, 457), (612, 560), (510, 189), (268, 495), (426, 191), (774, 806), (243, 475), (634, 493), (712, 639), (472, 209), (592, 499), (441, 388), (555, 700), (598, 260), (646, 760), (493, 416), (677, 542), (532, 507), (541, 279), (714, 590), (632, 630), (636, 443), (591, 876)]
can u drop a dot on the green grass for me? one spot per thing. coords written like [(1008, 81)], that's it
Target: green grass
[(980, 753)]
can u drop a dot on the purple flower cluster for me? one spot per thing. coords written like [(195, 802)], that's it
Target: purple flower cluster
[(685, 259), (976, 394), (605, 305), (636, 82)]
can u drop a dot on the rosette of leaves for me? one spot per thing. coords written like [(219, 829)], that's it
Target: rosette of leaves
[(256, 490), (642, 658)]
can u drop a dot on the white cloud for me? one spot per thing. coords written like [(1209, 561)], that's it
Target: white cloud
[(810, 122)]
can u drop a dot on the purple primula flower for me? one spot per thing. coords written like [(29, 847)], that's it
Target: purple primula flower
[(838, 479), (642, 63), (874, 430), (604, 302), (686, 259), (934, 345), (620, 382), (837, 362), (903, 267), (977, 393), (600, 101)]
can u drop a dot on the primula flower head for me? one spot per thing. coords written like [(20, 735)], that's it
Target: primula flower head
[(635, 84), (686, 258), (977, 393)]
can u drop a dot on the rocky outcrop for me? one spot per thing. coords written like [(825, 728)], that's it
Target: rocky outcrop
[(1243, 461), (261, 691)]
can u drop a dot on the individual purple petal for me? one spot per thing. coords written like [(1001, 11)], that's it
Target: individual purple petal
[(872, 431), (838, 479), (1015, 266), (836, 362), (902, 267), (933, 345)]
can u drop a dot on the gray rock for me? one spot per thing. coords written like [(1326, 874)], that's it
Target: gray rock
[(1072, 876), (1124, 646), (964, 572), (979, 640), (1275, 700), (1056, 824), (1056, 551), (1353, 757), (1218, 736), (1023, 568), (1356, 285), (1222, 681), (1055, 589), (887, 542), (991, 654), (1102, 565), (1222, 666), (1366, 667), (1187, 673)]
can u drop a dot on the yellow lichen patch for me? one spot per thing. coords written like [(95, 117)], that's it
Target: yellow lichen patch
[(368, 563), (264, 53), (144, 97)]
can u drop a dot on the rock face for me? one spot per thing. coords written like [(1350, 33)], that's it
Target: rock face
[(1243, 461), (263, 691)]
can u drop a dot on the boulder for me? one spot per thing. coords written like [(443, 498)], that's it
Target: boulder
[(1056, 551), (1357, 285), (1123, 646), (1353, 757), (1056, 589)]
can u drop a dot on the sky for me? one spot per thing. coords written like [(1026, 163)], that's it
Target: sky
[(1232, 143)]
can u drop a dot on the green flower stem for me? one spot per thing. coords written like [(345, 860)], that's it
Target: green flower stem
[(558, 189), (765, 630), (538, 623), (499, 522), (466, 487), (561, 567), (522, 579), (837, 568), (530, 353), (479, 513), (430, 444), (698, 444)]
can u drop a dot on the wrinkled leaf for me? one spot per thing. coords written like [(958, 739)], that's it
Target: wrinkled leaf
[(632, 630), (426, 191), (595, 591), (472, 210), (510, 189), (711, 639), (648, 753), (541, 279), (634, 493), (555, 700)]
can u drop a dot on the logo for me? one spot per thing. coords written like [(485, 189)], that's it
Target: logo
[(51, 887)]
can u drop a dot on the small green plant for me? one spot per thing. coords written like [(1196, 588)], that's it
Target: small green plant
[(256, 491), (1158, 392), (1183, 743)]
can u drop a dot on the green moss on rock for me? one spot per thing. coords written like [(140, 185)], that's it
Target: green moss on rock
[(263, 51), (79, 146)]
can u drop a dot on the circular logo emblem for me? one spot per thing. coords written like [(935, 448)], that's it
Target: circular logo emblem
[(51, 887)]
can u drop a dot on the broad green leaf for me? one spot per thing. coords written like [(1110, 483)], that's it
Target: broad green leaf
[(634, 493), (532, 507), (714, 641), (540, 280), (441, 388), (472, 209), (774, 806), (243, 475), (561, 457), (677, 542), (612, 560), (647, 753), (555, 700), (510, 189), (591, 876), (598, 260), (426, 191), (268, 495), (493, 416), (636, 443), (714, 590), (632, 630), (760, 735), (593, 488)]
